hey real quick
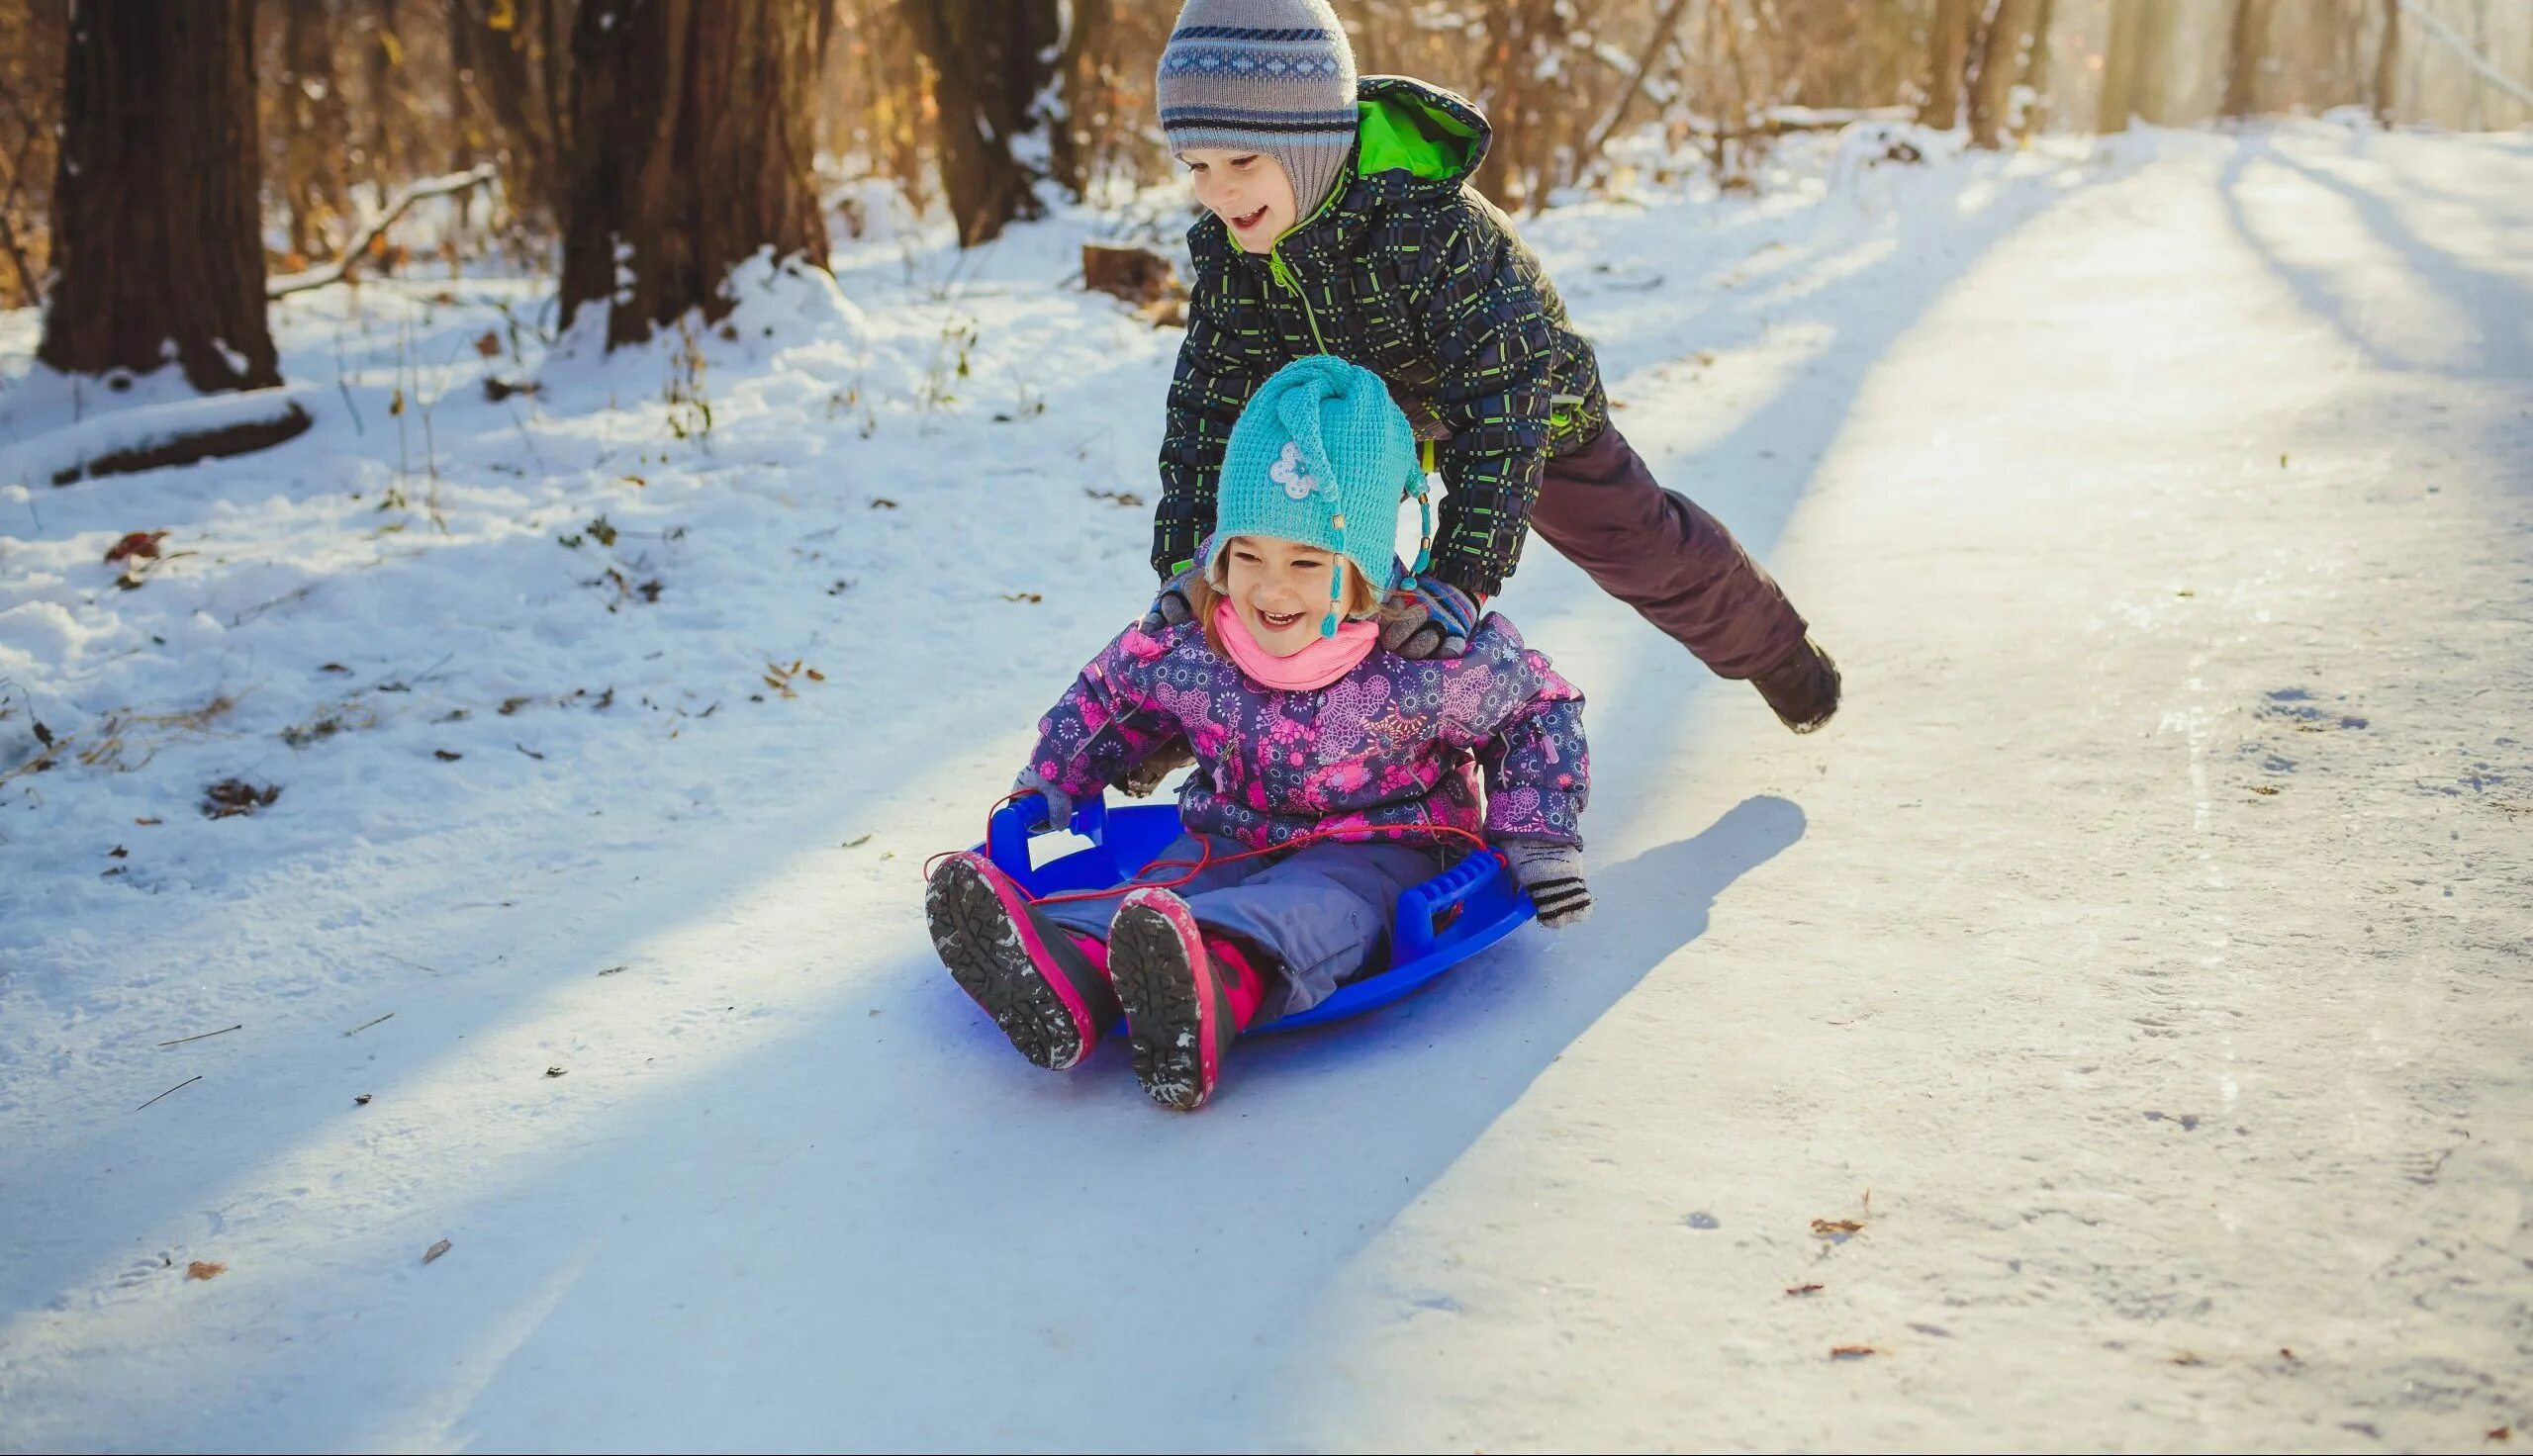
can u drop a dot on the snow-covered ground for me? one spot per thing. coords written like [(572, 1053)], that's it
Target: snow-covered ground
[(2141, 960)]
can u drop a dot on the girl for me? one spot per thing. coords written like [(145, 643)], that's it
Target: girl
[(1330, 773)]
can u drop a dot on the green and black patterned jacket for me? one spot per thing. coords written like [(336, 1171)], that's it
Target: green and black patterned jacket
[(1408, 272)]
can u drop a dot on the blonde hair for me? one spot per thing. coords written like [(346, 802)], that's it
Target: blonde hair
[(1356, 600)]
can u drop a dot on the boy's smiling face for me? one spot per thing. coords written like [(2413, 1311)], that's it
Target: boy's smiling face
[(1248, 190), (1279, 589)]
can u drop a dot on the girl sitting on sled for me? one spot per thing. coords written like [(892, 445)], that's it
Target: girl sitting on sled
[(1330, 773)]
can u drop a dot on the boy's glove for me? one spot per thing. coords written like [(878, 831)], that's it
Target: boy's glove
[(1428, 619), (1170, 607), (1157, 766), (1554, 874), (1059, 803)]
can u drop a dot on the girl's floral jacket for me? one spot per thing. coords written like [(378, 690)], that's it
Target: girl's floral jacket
[(1392, 749)]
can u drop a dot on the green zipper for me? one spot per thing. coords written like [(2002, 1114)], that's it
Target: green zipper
[(1285, 275)]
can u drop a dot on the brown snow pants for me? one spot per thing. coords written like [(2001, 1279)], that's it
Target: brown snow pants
[(1657, 551)]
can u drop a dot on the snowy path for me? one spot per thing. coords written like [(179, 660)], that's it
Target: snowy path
[(2150, 939)]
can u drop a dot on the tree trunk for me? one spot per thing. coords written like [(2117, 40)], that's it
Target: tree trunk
[(1947, 54), (990, 61), (155, 252), (2118, 101), (314, 125), (1083, 73), (2388, 58), (717, 168), (383, 121), (501, 41), (2154, 74), (1999, 64), (2035, 72), (2250, 48), (32, 41)]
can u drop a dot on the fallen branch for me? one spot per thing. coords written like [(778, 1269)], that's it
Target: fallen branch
[(179, 1087), (412, 192), (179, 432), (224, 1030)]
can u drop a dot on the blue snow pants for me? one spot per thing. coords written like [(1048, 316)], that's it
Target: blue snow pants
[(1321, 914)]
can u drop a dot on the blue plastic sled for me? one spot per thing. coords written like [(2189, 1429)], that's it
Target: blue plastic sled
[(1440, 923)]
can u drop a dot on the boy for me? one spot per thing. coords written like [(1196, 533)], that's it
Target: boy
[(1339, 221)]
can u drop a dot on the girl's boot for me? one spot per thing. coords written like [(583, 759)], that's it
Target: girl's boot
[(1185, 997), (1044, 986)]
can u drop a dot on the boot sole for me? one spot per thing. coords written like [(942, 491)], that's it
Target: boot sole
[(1163, 1024), (977, 938)]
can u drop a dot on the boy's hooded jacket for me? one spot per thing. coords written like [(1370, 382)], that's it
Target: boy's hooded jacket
[(1409, 273), (1388, 751)]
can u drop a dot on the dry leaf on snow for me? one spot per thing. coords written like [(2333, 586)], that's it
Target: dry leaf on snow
[(204, 1269)]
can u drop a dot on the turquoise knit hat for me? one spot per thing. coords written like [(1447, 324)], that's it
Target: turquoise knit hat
[(1321, 457)]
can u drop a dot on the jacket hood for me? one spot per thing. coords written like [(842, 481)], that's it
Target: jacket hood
[(1412, 127)]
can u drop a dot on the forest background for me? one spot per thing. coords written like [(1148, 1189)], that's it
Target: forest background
[(273, 135)]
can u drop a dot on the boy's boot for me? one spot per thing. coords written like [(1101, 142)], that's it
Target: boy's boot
[(1185, 997), (1043, 985), (1803, 691)]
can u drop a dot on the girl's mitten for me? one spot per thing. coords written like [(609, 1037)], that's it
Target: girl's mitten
[(1059, 803), (1170, 607), (1428, 619), (1554, 874)]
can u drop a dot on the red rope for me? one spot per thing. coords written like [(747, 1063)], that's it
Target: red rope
[(1208, 858)]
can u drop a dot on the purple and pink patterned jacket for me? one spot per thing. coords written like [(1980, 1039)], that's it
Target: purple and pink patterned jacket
[(1392, 749)]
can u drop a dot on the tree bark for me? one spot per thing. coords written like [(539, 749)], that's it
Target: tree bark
[(1083, 72), (990, 61), (501, 41), (2388, 59), (2154, 74), (2249, 50), (1999, 63), (314, 125), (384, 121), (2118, 101), (1947, 55), (156, 251), (2036, 71), (718, 168)]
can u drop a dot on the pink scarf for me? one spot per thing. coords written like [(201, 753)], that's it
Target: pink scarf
[(1326, 660)]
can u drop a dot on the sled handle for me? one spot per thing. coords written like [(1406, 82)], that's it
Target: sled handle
[(1412, 935), (1007, 834)]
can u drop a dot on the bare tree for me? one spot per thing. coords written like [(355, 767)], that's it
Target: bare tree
[(2388, 61), (1947, 55), (2137, 65), (2248, 48), (990, 61), (154, 244), (2035, 71), (717, 168), (1999, 63), (509, 68), (32, 37), (384, 145), (314, 125)]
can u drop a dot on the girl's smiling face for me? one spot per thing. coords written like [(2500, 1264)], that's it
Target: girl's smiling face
[(1248, 190), (1280, 590)]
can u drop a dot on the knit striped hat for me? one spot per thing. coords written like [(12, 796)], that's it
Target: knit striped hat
[(1273, 76), (1321, 456)]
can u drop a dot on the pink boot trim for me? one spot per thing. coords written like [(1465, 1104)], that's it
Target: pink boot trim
[(1242, 983), (1094, 950), (1016, 905)]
